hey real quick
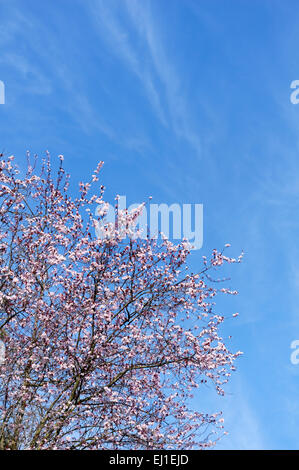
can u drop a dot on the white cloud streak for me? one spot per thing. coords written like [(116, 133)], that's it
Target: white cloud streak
[(149, 62)]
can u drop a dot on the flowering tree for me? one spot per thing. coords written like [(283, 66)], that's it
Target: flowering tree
[(105, 337)]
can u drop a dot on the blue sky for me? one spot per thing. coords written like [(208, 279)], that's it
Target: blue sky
[(187, 101)]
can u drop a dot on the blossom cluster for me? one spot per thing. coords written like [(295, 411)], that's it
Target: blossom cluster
[(106, 339)]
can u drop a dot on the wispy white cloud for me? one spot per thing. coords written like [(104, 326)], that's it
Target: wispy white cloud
[(178, 106), (115, 34), (149, 61), (45, 70), (33, 79)]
